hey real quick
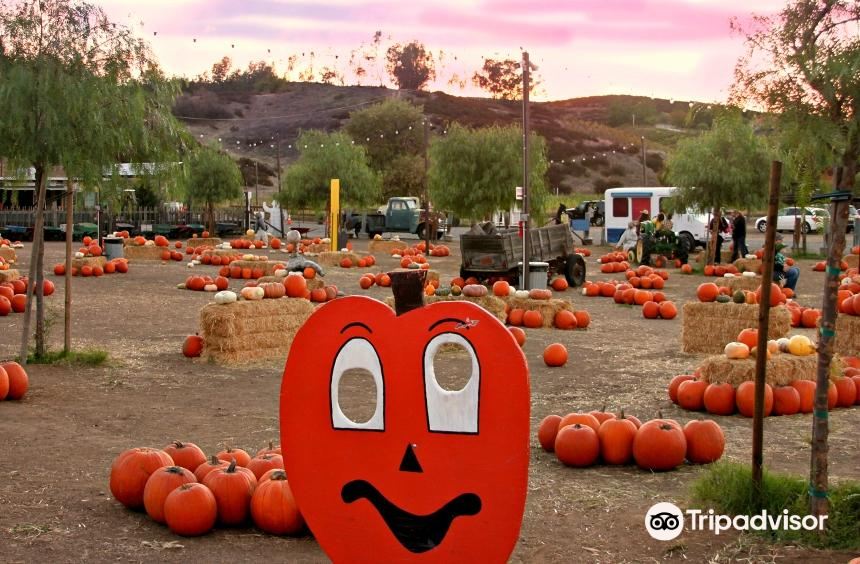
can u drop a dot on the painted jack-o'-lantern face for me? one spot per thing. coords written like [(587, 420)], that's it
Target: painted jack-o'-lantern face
[(433, 474)]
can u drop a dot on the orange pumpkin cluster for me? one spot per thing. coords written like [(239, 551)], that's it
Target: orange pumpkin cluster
[(848, 296), (200, 283), (363, 262), (822, 265), (379, 279), (13, 295), (693, 394), (114, 266), (533, 319), (584, 439), (295, 286), (659, 310), (211, 258), (14, 381), (246, 244), (3, 264), (178, 487), (720, 270), (582, 251)]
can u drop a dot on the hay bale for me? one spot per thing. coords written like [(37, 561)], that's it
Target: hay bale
[(333, 258), (852, 261), (89, 261), (313, 283), (203, 242), (780, 370), (317, 248), (740, 283), (547, 308), (748, 265), (847, 335), (247, 331), (9, 275), (707, 327), (221, 253), (494, 305), (385, 247), (701, 258), (143, 252), (267, 266), (8, 254)]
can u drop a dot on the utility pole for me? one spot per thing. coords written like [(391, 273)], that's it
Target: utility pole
[(526, 208), (644, 177), (256, 182), (278, 161), (427, 223)]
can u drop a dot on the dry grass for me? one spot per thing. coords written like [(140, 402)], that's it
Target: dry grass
[(334, 258), (708, 327), (201, 242), (247, 331), (385, 247), (748, 265), (781, 369), (9, 275), (847, 335), (8, 254), (136, 252), (852, 260)]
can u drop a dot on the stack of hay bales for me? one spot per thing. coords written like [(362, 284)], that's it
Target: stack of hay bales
[(852, 261), (708, 327), (750, 283), (547, 308), (8, 254), (221, 253), (144, 252), (494, 305), (9, 275), (386, 246), (89, 261), (781, 369), (248, 331), (847, 335), (203, 242)]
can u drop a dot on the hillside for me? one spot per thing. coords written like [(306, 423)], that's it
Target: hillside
[(588, 155)]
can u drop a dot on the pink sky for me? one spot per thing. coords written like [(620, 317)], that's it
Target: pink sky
[(680, 49)]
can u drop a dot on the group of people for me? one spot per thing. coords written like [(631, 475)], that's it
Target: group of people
[(644, 226), (732, 223)]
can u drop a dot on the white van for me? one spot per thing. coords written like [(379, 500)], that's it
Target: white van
[(624, 205)]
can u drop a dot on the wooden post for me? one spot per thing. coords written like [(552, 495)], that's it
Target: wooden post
[(818, 502), (67, 314), (334, 214), (408, 289), (763, 323), (524, 282)]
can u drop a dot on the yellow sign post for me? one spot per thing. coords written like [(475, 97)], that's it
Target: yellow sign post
[(335, 213)]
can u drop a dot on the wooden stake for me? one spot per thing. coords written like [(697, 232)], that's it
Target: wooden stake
[(763, 323), (70, 227)]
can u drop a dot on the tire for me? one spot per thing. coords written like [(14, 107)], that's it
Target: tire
[(805, 228), (761, 226), (574, 270), (439, 235), (420, 231), (686, 243), (598, 221)]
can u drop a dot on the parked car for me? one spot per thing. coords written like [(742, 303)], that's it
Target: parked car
[(599, 207), (813, 219)]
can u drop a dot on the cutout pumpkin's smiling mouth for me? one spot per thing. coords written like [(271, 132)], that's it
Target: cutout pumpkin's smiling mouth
[(417, 533)]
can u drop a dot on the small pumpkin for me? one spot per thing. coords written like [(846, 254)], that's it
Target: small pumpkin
[(130, 471), (186, 455), (261, 464), (745, 399), (521, 294), (232, 487), (705, 441), (547, 430), (206, 467), (675, 383), (719, 399), (786, 400), (273, 290), (190, 510), (19, 382), (229, 454), (253, 293), (737, 351), (616, 440), (581, 418), (271, 449), (577, 445), (274, 509), (225, 297), (691, 395), (540, 294), (532, 319), (474, 290), (159, 485), (659, 445), (193, 346)]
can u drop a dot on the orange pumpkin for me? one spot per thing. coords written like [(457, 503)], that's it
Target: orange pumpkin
[(745, 399), (232, 487), (190, 510), (130, 471), (159, 485), (776, 296), (583, 319), (691, 394), (846, 392), (186, 455), (565, 319), (719, 399), (616, 440), (501, 288), (650, 310), (705, 441), (806, 390), (659, 445), (519, 335), (214, 462), (515, 317), (547, 430), (18, 380), (676, 383), (261, 464), (786, 400), (577, 445), (229, 454), (668, 310), (295, 285), (273, 507), (533, 319), (707, 292), (559, 284), (555, 355), (193, 346)]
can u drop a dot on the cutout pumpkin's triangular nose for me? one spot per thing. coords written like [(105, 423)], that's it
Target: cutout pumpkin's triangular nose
[(410, 461)]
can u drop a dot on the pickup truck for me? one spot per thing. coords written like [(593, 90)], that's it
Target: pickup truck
[(401, 215)]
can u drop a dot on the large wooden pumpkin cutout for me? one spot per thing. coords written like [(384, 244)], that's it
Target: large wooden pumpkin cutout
[(433, 475)]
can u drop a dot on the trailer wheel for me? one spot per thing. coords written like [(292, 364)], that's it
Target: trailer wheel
[(574, 270)]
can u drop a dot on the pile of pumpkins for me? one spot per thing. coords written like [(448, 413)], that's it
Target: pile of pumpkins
[(822, 265), (710, 292), (14, 381), (585, 439), (848, 296), (721, 270), (200, 256), (380, 279), (178, 486), (363, 262), (421, 249), (3, 264), (13, 295), (246, 244), (582, 251), (746, 346), (113, 266), (294, 285)]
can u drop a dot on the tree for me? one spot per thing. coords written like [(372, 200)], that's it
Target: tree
[(411, 66), (221, 70), (727, 166), (804, 65), (475, 172), (213, 178), (322, 157), (503, 79), (392, 136), (77, 91)]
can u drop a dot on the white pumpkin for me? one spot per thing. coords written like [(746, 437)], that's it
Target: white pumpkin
[(180, 286), (210, 288), (522, 294), (253, 293), (249, 233), (191, 264), (225, 297), (783, 344), (377, 237), (17, 245), (396, 238), (149, 244), (326, 241), (749, 274), (398, 257), (196, 262), (247, 257), (281, 273), (344, 250), (512, 291), (728, 275), (750, 257), (79, 255)]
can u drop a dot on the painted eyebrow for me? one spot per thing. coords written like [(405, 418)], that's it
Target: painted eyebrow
[(446, 320), (356, 324)]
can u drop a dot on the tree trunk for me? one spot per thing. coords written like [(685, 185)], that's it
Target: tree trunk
[(211, 209), (35, 264), (67, 313), (715, 232)]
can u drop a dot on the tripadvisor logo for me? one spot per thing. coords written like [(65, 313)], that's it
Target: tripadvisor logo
[(665, 521)]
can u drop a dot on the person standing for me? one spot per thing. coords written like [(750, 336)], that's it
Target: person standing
[(722, 229), (739, 236)]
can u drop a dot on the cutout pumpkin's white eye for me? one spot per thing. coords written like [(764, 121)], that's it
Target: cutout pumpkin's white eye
[(452, 396), (357, 389)]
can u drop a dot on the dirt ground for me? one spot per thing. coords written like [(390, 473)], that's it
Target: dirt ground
[(57, 444)]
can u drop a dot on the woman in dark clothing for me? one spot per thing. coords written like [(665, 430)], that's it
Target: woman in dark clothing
[(739, 236)]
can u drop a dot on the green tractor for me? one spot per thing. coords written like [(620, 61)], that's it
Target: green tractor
[(653, 243)]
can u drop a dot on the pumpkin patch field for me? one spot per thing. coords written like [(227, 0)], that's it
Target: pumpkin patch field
[(59, 441)]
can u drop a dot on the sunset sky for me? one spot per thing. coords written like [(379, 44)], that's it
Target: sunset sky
[(682, 49)]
